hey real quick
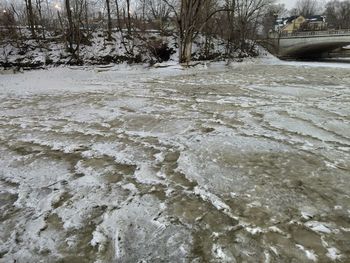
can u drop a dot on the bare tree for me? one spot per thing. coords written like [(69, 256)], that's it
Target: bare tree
[(40, 13), (190, 22), (270, 16), (30, 15), (8, 23), (120, 26), (109, 21), (70, 24), (307, 8), (159, 12), (249, 14), (230, 29), (128, 17), (338, 14)]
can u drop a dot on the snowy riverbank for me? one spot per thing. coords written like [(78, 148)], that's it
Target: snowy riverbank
[(151, 48)]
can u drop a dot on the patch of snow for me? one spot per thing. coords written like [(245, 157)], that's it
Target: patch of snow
[(274, 250), (318, 227), (146, 174), (333, 254), (310, 254), (255, 230), (275, 229), (267, 257), (222, 254), (213, 199)]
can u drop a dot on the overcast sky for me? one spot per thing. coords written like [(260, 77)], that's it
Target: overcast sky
[(289, 3)]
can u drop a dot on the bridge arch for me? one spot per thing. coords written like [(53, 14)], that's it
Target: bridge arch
[(308, 44)]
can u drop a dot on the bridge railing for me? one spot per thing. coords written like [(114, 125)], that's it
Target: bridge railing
[(316, 33)]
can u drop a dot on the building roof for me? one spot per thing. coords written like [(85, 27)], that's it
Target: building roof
[(288, 20), (317, 18)]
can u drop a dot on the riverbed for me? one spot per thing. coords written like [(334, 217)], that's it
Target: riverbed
[(247, 162)]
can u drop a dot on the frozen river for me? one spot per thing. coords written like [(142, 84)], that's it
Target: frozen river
[(246, 163)]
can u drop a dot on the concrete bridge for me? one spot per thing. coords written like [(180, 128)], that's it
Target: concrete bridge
[(312, 44)]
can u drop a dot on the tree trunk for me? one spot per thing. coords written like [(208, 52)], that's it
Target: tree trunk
[(31, 20), (70, 25), (187, 22), (38, 4), (188, 51), (87, 18), (62, 27), (109, 22), (129, 17), (120, 27)]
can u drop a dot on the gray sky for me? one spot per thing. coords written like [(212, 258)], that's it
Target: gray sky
[(289, 3)]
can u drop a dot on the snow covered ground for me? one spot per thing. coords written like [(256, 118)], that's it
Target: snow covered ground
[(242, 163), (29, 53)]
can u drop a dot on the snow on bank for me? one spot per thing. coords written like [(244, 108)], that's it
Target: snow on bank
[(149, 48)]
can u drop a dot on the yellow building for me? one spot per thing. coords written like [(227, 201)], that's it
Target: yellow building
[(294, 25)]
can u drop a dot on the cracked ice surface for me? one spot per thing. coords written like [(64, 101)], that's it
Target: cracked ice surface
[(241, 163)]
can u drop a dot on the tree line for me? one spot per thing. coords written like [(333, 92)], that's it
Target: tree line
[(237, 22)]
